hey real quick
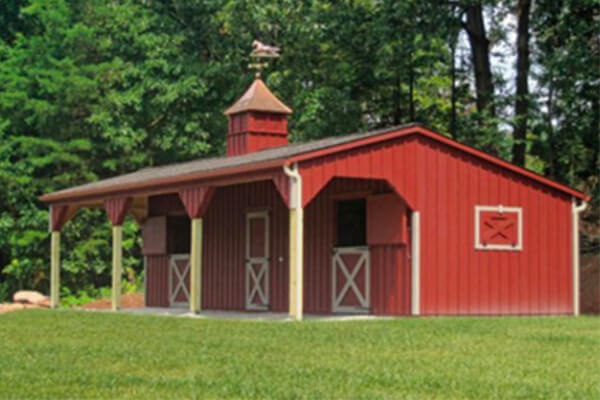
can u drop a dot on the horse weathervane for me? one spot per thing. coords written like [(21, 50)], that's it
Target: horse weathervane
[(261, 51)]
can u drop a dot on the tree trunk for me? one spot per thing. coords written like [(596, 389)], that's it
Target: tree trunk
[(397, 97), (594, 128), (411, 89), (521, 102), (453, 88), (550, 167), (480, 55)]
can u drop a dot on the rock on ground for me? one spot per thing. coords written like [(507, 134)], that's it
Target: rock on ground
[(31, 297)]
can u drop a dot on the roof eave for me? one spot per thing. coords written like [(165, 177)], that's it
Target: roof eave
[(231, 111), (157, 185)]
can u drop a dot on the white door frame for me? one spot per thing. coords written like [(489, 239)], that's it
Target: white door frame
[(181, 279), (364, 261), (253, 279)]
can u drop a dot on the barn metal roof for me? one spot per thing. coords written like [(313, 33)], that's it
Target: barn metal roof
[(217, 163), (270, 158)]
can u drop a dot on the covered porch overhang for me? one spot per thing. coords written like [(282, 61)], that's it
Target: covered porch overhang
[(196, 196), (195, 191), (298, 176)]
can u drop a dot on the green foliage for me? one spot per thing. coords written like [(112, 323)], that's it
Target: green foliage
[(90, 89), (569, 119), (72, 300), (5, 291)]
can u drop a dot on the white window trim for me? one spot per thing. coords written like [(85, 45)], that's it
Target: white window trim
[(499, 208)]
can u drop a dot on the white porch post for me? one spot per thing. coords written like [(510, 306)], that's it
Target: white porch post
[(117, 256), (196, 200), (58, 216), (196, 266), (116, 209), (55, 269), (415, 256)]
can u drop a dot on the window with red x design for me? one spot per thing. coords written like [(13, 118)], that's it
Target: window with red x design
[(498, 228)]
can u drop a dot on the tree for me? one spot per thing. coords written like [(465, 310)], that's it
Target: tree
[(480, 53), (522, 91)]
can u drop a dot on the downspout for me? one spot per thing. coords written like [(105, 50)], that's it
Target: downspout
[(296, 202), (576, 210)]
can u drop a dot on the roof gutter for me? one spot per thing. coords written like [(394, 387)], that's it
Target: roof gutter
[(155, 186), (576, 210)]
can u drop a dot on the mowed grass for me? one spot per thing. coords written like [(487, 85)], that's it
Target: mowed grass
[(70, 354)]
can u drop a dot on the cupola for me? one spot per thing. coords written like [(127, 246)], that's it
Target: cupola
[(257, 121)]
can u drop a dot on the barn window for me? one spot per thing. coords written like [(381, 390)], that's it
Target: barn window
[(498, 228), (351, 223)]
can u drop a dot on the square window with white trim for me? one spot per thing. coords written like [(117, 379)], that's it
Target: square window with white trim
[(498, 228)]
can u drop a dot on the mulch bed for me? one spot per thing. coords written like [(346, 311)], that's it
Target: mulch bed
[(132, 300)]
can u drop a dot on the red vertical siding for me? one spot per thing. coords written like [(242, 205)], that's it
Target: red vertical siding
[(116, 209), (157, 281), (390, 274), (196, 199), (445, 185), (58, 216), (253, 131), (390, 280), (224, 255)]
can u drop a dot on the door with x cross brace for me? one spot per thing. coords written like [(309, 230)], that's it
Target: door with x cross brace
[(351, 279), (257, 260), (179, 280)]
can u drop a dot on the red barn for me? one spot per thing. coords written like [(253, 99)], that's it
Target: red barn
[(399, 221)]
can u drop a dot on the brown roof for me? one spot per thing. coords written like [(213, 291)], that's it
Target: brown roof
[(211, 164), (258, 97), (189, 172)]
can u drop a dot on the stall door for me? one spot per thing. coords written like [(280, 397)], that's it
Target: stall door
[(257, 261), (179, 280), (350, 278), (350, 264)]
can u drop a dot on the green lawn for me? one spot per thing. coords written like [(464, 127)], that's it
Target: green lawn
[(70, 354)]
